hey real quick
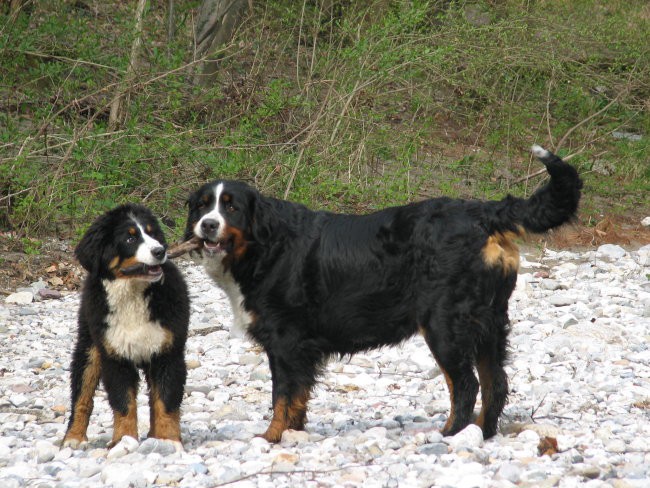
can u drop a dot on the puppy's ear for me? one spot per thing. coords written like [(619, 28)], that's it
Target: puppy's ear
[(89, 251), (265, 221)]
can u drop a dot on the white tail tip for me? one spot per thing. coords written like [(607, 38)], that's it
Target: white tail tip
[(539, 151)]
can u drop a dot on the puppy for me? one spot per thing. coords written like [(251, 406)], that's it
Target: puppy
[(134, 314), (309, 285)]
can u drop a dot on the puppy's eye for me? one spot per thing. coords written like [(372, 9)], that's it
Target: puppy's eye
[(230, 208), (200, 205), (131, 240)]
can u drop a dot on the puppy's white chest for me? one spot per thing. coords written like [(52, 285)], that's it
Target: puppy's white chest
[(131, 333)]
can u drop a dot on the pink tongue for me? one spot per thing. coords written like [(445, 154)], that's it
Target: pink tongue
[(211, 245)]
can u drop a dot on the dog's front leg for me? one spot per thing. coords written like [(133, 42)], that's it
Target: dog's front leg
[(120, 380), (86, 369), (293, 376), (166, 378)]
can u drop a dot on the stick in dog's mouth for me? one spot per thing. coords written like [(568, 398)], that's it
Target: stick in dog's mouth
[(178, 249)]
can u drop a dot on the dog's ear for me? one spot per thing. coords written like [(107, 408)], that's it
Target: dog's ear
[(190, 203), (89, 250), (264, 220)]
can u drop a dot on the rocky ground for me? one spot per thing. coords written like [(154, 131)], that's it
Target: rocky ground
[(578, 414)]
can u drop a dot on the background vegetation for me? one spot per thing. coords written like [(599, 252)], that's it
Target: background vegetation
[(346, 105)]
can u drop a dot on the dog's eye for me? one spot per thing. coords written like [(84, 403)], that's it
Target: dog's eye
[(200, 205), (230, 208), (131, 239)]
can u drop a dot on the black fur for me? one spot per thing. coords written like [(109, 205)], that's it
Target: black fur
[(113, 344), (317, 284)]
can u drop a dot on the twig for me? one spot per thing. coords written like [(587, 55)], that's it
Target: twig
[(584, 121), (65, 58)]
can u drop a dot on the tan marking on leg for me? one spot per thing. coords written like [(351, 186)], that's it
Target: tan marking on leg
[(288, 415), (126, 424), (485, 378), (163, 424), (278, 422), (452, 412), (297, 411), (76, 433)]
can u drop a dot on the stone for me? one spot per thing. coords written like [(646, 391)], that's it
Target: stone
[(470, 437), (292, 437), (611, 252), (45, 451), (20, 298)]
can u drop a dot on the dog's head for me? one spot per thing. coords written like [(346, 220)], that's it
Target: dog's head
[(124, 243), (229, 216)]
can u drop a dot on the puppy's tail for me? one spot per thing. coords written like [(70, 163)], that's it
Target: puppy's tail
[(551, 206)]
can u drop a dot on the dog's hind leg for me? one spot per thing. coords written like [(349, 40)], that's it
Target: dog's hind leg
[(457, 367), (494, 383), (86, 369), (120, 380)]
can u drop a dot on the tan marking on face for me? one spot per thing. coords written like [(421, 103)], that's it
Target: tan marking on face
[(500, 250), (239, 244), (113, 265), (149, 229), (83, 407), (120, 265), (226, 198), (163, 424), (126, 424), (133, 231)]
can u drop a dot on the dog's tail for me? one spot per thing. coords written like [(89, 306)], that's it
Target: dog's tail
[(550, 206)]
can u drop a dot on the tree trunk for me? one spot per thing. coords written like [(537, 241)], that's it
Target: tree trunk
[(118, 105), (216, 22)]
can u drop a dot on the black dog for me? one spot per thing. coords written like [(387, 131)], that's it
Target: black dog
[(134, 314), (315, 284)]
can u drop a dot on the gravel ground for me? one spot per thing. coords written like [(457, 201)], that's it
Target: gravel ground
[(578, 413)]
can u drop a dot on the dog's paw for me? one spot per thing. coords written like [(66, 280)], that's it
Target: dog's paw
[(74, 442)]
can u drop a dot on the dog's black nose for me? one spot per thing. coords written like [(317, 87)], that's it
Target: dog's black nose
[(158, 252), (209, 227)]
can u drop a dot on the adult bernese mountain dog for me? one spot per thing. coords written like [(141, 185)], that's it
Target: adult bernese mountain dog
[(312, 284), (134, 314)]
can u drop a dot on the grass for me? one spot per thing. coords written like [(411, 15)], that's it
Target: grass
[(375, 103)]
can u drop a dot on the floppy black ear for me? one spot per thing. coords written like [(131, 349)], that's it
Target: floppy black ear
[(190, 203), (265, 219), (89, 250)]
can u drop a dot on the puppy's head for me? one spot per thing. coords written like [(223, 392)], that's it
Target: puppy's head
[(124, 243), (227, 215)]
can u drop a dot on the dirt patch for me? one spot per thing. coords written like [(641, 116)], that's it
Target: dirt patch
[(24, 262), (613, 229)]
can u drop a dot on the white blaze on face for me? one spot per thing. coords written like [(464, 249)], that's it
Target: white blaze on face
[(213, 214), (144, 254)]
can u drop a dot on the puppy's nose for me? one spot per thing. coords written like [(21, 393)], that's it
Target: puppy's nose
[(158, 253), (209, 227)]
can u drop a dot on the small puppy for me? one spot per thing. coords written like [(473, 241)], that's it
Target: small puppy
[(310, 285), (134, 314)]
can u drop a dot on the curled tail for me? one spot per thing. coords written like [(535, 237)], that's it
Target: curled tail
[(551, 206)]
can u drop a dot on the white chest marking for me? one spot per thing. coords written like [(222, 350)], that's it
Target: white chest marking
[(224, 280), (131, 333)]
